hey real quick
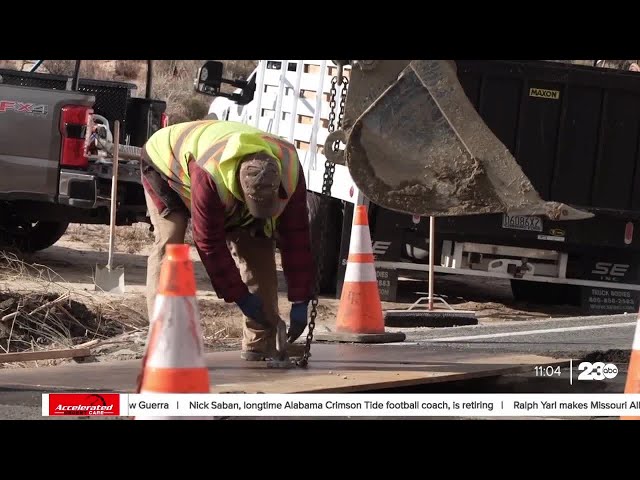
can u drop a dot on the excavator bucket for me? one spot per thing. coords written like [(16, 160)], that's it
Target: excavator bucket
[(414, 143)]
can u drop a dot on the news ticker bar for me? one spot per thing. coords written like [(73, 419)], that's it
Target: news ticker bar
[(339, 405)]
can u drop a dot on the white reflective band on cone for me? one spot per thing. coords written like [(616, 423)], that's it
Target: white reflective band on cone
[(360, 239), (176, 346), (360, 272)]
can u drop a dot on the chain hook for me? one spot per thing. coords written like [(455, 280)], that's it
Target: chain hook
[(340, 64)]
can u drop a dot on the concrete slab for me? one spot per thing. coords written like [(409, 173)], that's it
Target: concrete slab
[(332, 368)]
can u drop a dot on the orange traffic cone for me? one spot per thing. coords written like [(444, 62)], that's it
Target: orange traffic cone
[(174, 356), (360, 317), (632, 384)]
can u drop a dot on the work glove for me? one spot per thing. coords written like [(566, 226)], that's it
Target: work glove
[(251, 306), (298, 320)]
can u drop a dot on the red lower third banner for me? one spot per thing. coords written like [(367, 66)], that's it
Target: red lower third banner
[(82, 404)]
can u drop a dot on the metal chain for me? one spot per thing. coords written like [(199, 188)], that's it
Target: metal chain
[(327, 182)]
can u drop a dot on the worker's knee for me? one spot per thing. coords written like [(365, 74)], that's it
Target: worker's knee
[(171, 229)]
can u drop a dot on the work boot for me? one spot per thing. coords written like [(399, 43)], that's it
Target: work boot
[(294, 350), (265, 352), (267, 348), (251, 356)]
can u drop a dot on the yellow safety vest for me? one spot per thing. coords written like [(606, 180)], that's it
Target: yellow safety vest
[(217, 146)]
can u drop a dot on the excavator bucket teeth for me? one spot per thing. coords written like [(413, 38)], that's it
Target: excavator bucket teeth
[(419, 146)]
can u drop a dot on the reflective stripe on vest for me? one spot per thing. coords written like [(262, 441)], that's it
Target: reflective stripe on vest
[(171, 160)]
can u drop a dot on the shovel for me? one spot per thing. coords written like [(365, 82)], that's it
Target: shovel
[(109, 279)]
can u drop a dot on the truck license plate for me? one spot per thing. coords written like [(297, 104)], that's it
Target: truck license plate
[(522, 222)]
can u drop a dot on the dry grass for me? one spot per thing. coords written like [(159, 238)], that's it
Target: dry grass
[(135, 238), (132, 239), (220, 330), (173, 82), (173, 79), (38, 313), (221, 323)]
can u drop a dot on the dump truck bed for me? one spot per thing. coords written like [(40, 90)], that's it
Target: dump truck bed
[(573, 129)]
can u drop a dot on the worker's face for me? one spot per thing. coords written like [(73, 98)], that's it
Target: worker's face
[(259, 182)]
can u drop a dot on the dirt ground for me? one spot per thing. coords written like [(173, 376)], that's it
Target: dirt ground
[(55, 293)]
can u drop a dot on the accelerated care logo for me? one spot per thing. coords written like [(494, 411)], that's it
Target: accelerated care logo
[(81, 404)]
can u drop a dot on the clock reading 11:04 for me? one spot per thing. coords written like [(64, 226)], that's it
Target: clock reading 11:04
[(548, 371)]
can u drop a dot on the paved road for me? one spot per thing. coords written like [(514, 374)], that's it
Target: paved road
[(577, 338)]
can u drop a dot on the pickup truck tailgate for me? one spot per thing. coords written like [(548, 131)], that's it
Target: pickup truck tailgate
[(30, 140)]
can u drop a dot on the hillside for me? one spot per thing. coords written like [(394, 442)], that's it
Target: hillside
[(172, 79)]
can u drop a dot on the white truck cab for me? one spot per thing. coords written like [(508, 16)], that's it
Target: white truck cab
[(286, 94)]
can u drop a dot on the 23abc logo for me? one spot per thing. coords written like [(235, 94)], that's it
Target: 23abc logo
[(597, 371)]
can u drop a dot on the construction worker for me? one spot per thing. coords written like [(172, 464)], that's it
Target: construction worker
[(243, 190)]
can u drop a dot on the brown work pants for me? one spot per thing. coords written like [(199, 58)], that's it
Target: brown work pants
[(254, 256)]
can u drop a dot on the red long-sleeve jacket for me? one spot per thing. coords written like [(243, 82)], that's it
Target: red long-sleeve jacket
[(207, 223)]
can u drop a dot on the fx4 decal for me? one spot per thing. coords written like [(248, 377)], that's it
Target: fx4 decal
[(20, 107)]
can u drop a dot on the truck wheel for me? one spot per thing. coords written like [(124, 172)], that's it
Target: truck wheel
[(32, 236), (545, 293), (325, 212)]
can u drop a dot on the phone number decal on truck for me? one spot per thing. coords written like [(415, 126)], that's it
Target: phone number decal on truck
[(522, 222)]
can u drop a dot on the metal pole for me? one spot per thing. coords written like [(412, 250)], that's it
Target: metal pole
[(76, 76), (259, 88), (36, 66), (295, 98), (432, 227), (114, 192), (149, 78), (313, 141), (283, 78)]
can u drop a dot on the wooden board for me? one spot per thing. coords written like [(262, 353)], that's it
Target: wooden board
[(44, 355), (360, 368), (332, 368)]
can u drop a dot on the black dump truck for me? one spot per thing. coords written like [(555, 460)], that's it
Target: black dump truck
[(575, 132)]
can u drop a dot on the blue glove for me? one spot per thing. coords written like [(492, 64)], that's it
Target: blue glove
[(251, 306), (298, 318)]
